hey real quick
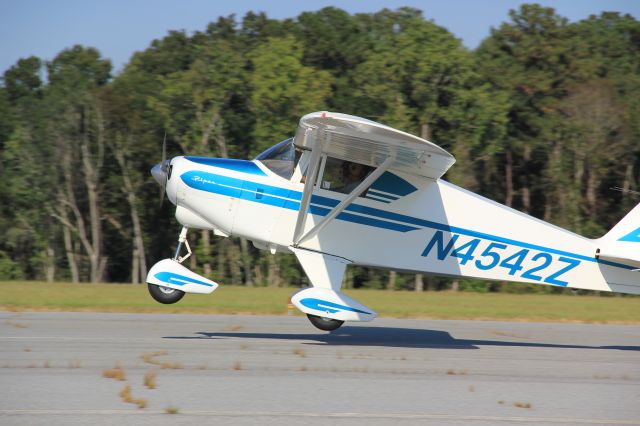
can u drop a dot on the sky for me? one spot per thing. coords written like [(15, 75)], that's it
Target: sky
[(118, 28)]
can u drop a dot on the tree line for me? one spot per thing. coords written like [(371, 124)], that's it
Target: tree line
[(543, 116)]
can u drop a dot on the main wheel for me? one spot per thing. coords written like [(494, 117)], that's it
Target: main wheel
[(165, 295), (323, 323)]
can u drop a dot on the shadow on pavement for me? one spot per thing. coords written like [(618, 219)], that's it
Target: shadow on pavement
[(391, 337)]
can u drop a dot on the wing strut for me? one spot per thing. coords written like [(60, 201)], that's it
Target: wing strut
[(312, 175), (344, 203)]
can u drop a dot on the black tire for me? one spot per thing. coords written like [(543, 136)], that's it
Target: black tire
[(165, 295), (323, 323)]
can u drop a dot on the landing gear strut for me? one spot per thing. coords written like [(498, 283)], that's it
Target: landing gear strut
[(168, 295), (323, 323)]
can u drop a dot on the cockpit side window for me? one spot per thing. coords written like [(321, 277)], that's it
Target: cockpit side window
[(281, 158), (343, 176)]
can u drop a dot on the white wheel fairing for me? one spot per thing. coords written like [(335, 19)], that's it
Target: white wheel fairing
[(169, 274)]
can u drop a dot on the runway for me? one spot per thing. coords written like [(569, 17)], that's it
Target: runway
[(257, 370)]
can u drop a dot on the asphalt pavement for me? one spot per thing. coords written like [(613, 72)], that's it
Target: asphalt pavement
[(259, 370)]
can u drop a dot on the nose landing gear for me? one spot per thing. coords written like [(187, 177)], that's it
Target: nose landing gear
[(167, 295)]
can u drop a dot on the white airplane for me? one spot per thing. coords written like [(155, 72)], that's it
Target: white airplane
[(346, 190)]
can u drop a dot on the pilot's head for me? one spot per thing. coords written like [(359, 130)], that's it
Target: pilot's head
[(354, 171)]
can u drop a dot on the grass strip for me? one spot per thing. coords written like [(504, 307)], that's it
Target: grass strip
[(34, 296)]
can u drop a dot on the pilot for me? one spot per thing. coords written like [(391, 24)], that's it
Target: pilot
[(353, 173)]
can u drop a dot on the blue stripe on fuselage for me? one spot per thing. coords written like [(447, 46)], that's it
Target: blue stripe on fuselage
[(290, 199), (243, 166), (633, 236), (278, 197)]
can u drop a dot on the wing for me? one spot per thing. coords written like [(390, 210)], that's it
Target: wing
[(364, 141)]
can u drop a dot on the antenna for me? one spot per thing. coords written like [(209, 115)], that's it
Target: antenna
[(625, 191)]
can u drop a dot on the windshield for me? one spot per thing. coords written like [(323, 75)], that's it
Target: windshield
[(281, 158)]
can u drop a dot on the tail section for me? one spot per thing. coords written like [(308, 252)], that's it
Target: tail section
[(622, 243)]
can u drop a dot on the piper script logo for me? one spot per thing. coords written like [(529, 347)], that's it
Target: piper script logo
[(201, 180)]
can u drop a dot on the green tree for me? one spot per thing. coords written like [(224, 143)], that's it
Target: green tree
[(77, 134), (528, 59), (23, 167), (283, 90)]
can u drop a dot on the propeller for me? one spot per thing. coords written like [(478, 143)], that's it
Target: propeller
[(160, 171)]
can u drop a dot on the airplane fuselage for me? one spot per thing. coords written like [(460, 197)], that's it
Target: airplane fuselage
[(403, 222)]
